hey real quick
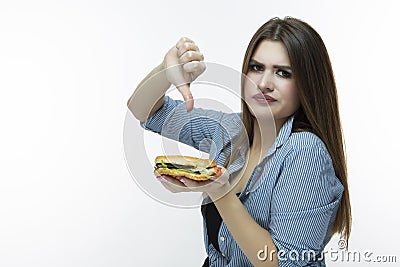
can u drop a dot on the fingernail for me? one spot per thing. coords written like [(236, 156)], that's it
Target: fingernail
[(183, 180)]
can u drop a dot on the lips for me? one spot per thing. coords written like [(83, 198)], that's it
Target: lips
[(264, 97), (269, 98)]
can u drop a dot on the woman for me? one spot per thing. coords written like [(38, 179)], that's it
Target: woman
[(303, 198)]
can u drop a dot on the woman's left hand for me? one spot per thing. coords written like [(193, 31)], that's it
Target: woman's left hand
[(214, 186)]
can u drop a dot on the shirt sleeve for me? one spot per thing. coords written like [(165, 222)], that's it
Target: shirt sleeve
[(199, 128), (304, 205)]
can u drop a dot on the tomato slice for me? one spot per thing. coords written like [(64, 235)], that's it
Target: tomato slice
[(218, 172)]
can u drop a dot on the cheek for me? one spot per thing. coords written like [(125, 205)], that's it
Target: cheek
[(290, 95), (249, 88)]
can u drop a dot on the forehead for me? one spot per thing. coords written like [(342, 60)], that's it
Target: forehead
[(271, 53)]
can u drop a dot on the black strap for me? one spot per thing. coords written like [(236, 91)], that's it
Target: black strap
[(206, 263), (213, 222)]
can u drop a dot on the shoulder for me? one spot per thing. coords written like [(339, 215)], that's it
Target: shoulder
[(307, 172), (307, 143), (305, 151), (305, 140)]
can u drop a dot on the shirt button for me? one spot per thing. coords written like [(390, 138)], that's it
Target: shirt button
[(222, 238), (247, 193), (223, 255)]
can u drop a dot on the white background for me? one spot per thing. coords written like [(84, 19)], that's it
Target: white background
[(67, 69)]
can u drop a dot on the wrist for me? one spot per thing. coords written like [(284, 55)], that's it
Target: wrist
[(221, 193), (162, 65)]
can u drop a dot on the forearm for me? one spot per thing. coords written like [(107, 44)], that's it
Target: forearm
[(249, 235), (149, 94)]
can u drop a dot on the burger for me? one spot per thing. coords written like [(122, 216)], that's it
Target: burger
[(185, 166)]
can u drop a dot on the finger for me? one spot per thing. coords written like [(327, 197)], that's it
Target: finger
[(183, 40), (189, 56), (195, 185), (188, 46), (167, 185), (171, 188), (194, 67), (172, 184), (173, 181), (184, 89)]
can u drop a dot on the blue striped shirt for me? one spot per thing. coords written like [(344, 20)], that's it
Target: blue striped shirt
[(293, 192)]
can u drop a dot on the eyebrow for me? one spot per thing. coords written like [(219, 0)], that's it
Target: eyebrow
[(274, 66)]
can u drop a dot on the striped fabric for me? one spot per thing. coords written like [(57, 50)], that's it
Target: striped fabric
[(293, 192)]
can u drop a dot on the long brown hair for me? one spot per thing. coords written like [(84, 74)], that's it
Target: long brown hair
[(318, 112)]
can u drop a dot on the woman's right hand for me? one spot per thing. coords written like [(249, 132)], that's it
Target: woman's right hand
[(183, 63)]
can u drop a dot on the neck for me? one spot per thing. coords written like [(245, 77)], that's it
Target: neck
[(264, 136)]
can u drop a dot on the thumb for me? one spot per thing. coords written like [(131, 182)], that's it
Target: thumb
[(184, 89)]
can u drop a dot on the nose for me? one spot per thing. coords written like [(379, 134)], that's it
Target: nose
[(265, 82)]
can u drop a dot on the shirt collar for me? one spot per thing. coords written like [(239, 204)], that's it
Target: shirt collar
[(283, 135), (285, 132)]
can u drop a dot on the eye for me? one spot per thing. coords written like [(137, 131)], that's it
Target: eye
[(284, 73), (255, 67)]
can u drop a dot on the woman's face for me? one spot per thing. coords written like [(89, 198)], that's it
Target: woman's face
[(274, 84)]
